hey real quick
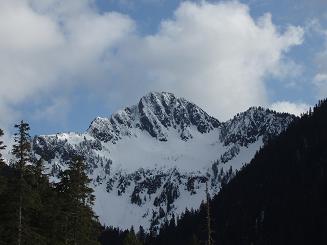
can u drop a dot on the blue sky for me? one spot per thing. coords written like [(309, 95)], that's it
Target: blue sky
[(65, 62)]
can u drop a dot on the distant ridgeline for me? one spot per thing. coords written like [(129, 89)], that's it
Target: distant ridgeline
[(279, 198)]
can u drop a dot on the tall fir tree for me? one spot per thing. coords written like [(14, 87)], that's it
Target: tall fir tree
[(141, 235), (22, 147), (78, 220), (22, 152)]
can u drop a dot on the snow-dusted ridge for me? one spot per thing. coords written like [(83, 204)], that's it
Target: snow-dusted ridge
[(150, 161)]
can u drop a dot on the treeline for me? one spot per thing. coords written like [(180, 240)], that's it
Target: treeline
[(190, 228), (36, 212)]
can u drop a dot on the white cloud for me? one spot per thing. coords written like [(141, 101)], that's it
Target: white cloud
[(290, 107), (53, 44), (214, 54)]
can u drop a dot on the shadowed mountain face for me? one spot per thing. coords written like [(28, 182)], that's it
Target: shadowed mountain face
[(151, 160)]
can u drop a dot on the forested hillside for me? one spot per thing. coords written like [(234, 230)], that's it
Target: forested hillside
[(279, 198)]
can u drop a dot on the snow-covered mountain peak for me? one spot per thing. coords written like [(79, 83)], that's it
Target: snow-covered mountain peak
[(157, 114), (246, 127), (151, 160)]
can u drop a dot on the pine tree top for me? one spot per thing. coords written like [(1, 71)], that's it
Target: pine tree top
[(22, 147)]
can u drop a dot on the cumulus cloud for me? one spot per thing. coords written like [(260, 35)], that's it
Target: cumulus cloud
[(290, 107), (53, 44), (214, 54)]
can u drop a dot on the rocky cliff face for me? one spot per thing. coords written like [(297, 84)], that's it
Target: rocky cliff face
[(151, 160)]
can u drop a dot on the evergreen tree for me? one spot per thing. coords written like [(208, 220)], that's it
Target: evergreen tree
[(42, 210), (141, 234), (22, 153), (77, 218), (22, 147), (29, 201)]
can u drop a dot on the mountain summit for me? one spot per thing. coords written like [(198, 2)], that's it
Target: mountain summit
[(155, 113), (151, 160)]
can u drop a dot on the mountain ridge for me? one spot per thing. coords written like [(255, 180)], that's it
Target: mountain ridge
[(153, 158)]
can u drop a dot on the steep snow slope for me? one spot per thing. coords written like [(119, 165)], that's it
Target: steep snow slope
[(151, 160)]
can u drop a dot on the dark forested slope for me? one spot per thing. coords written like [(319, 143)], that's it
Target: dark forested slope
[(279, 198)]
